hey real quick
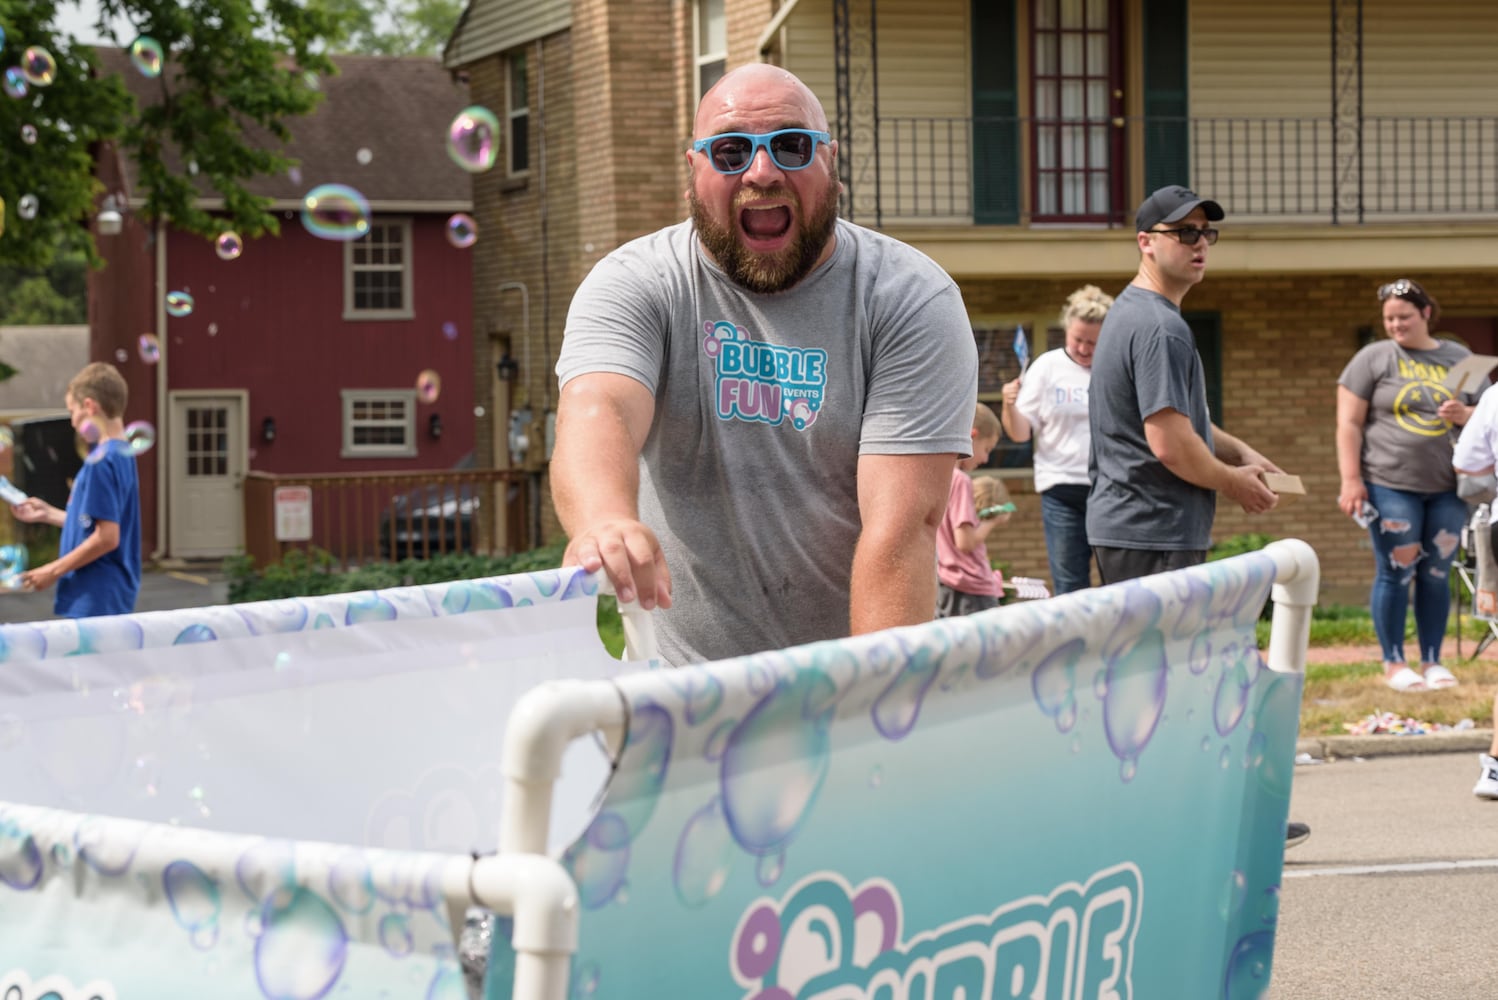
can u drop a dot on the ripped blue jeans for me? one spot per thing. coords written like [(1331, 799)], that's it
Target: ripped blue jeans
[(1415, 538)]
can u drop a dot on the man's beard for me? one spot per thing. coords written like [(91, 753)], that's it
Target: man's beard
[(768, 272)]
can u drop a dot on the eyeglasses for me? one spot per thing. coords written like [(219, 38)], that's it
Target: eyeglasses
[(1190, 234), (1400, 289), (733, 152)]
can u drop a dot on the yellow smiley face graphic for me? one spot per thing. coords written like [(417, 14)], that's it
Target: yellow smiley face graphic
[(1415, 406)]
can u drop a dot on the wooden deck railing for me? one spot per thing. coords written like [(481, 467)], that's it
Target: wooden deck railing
[(365, 517)]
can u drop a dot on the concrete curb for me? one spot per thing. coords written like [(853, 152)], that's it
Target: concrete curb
[(1344, 747)]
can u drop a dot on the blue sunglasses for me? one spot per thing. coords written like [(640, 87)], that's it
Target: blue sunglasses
[(733, 152)]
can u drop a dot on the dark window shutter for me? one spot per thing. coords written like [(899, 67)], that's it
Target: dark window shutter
[(995, 114), (1206, 327), (1167, 152)]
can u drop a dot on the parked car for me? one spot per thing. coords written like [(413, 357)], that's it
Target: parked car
[(430, 520)]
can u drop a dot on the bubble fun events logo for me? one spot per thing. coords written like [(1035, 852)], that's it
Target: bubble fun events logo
[(825, 939), (764, 383)]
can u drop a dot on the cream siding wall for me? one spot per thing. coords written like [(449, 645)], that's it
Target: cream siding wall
[(499, 25), (925, 78), (1430, 99), (1260, 88)]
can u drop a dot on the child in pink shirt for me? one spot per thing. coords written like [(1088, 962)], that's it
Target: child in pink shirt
[(966, 581)]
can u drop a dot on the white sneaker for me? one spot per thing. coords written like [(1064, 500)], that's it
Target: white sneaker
[(1487, 785)]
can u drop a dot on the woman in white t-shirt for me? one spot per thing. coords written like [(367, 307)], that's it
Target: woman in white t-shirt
[(1049, 402)]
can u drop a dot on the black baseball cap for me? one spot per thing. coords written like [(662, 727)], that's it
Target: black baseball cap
[(1172, 204)]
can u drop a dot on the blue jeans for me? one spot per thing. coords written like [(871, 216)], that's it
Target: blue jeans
[(1063, 512), (1415, 537)]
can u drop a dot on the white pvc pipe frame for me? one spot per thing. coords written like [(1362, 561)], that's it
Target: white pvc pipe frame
[(521, 880)]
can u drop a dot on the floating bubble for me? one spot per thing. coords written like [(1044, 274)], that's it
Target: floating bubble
[(15, 83), (473, 139), (428, 386), (294, 174), (38, 66), (149, 347), (179, 304), (140, 436), (364, 156), (28, 206), (228, 246), (213, 329), (89, 431), (146, 56), (2, 36), (450, 330), (335, 212), (122, 355), (28, 134), (462, 230), (478, 411)]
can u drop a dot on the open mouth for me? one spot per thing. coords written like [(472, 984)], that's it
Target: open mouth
[(766, 223)]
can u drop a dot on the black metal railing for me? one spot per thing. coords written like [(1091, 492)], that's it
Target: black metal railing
[(938, 170)]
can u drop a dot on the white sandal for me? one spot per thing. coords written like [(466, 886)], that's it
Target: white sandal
[(1405, 679), (1438, 678)]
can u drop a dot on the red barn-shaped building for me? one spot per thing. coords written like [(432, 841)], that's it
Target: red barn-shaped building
[(303, 354)]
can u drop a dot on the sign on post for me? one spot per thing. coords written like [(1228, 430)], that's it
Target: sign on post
[(293, 513)]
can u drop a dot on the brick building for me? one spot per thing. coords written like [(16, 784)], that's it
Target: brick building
[(1349, 144)]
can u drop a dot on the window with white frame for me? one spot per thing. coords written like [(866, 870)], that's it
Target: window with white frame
[(518, 126), (711, 43), (377, 272), (379, 423)]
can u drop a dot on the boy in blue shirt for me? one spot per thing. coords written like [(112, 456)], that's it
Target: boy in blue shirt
[(97, 571)]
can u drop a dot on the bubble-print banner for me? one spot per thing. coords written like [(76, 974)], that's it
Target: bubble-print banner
[(783, 810), (292, 903)]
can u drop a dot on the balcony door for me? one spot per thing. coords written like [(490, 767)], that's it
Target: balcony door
[(1077, 108)]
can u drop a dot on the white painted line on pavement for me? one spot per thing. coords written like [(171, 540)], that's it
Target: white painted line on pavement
[(201, 581), (1413, 866)]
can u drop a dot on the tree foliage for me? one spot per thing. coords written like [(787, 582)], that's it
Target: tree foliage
[(234, 71), (393, 27)]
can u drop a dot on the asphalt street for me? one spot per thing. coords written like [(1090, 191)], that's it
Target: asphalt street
[(159, 591), (1396, 892)]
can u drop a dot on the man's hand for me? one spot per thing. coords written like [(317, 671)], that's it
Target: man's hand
[(42, 577), (630, 555), (1245, 488)]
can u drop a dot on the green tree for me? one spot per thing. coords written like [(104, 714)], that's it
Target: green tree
[(393, 27), (234, 70)]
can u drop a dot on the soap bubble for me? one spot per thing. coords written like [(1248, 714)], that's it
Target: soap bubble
[(179, 304), (428, 386), (462, 230), (28, 134), (149, 346), (140, 436), (450, 330), (473, 139), (28, 206), (146, 56), (15, 83), (38, 66), (364, 156), (335, 212), (228, 246)]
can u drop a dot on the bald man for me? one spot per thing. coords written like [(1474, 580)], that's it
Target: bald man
[(761, 406)]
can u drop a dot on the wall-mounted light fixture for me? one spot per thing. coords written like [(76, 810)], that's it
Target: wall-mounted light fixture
[(109, 218), (268, 429), (506, 368), (434, 426)]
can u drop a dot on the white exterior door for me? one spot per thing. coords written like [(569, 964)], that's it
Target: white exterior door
[(207, 443)]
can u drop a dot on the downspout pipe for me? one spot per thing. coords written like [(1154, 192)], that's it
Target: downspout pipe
[(163, 431), (767, 37)]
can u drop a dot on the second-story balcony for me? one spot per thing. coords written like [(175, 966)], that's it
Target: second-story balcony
[(1092, 172)]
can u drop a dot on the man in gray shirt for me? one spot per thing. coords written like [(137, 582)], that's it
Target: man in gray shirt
[(1157, 460), (761, 407)]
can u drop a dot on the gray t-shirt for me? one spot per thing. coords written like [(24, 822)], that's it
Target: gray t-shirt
[(1145, 362), (763, 405), (1406, 444)]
